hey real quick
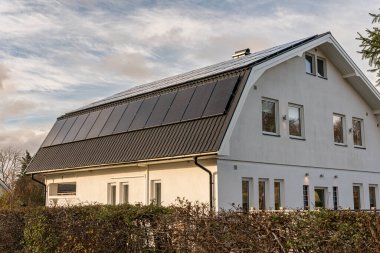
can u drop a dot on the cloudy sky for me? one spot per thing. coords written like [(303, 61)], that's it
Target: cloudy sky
[(58, 55)]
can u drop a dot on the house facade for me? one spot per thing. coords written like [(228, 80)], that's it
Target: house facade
[(294, 126)]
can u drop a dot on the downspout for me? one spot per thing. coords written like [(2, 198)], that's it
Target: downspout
[(210, 179), (44, 185)]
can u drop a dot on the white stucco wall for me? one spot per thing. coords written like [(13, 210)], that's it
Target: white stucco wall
[(178, 179), (262, 156)]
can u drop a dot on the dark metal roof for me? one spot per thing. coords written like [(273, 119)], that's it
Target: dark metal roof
[(202, 134)]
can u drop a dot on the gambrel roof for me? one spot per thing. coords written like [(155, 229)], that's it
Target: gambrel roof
[(184, 115)]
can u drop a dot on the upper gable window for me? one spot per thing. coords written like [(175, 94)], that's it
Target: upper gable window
[(269, 116), (339, 129), (357, 129), (321, 67), (309, 63)]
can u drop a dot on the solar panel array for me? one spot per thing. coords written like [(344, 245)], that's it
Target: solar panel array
[(182, 105)]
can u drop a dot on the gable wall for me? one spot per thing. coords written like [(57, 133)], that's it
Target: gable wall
[(289, 83)]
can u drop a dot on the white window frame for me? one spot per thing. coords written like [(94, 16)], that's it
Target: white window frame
[(376, 194), (360, 196), (122, 193), (68, 193), (302, 121), (250, 191), (336, 197), (325, 196), (282, 194), (153, 192), (109, 193), (306, 196), (313, 64), (324, 67), (344, 130), (266, 189), (362, 132), (277, 123)]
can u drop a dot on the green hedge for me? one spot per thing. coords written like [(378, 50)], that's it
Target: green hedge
[(185, 228)]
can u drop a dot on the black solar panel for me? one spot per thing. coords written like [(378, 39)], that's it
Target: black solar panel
[(128, 117), (75, 128), (160, 110), (99, 123), (143, 113), (53, 132), (64, 130), (82, 134), (179, 106), (199, 101), (113, 120), (220, 97)]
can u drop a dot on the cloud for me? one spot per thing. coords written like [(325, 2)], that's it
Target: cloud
[(3, 75)]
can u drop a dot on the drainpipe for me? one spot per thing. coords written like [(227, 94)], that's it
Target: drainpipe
[(210, 179), (44, 185)]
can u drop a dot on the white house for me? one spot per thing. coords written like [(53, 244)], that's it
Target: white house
[(293, 126)]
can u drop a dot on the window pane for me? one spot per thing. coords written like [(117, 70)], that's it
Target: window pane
[(157, 193), (113, 194), (372, 197), (125, 193), (295, 121), (356, 192), (269, 116), (357, 132), (321, 67), (245, 195), (319, 198), (335, 197), (306, 197), (262, 198), (277, 195), (338, 129), (67, 189), (309, 62)]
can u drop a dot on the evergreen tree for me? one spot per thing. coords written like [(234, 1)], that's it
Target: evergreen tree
[(370, 45), (25, 162)]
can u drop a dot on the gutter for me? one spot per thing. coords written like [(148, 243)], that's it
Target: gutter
[(41, 183), (211, 183)]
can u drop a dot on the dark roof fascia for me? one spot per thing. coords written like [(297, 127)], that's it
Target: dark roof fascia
[(155, 92)]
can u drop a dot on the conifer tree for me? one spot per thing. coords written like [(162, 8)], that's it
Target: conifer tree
[(370, 45)]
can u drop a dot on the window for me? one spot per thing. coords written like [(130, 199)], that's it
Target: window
[(335, 197), (306, 197), (124, 193), (356, 195), (156, 192), (357, 130), (320, 197), (112, 194), (263, 194), (278, 194), (270, 116), (246, 193), (66, 189), (321, 67), (309, 64), (372, 196), (295, 114), (339, 126)]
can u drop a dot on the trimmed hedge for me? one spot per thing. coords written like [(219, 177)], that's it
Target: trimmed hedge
[(185, 228)]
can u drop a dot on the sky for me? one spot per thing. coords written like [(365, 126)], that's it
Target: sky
[(59, 55)]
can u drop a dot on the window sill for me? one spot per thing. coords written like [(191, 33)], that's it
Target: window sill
[(61, 196), (359, 147), (300, 138), (323, 77), (271, 134), (312, 74), (340, 144)]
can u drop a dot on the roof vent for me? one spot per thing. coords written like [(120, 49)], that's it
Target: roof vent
[(241, 53)]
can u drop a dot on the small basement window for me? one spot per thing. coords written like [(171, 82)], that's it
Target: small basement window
[(67, 189)]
